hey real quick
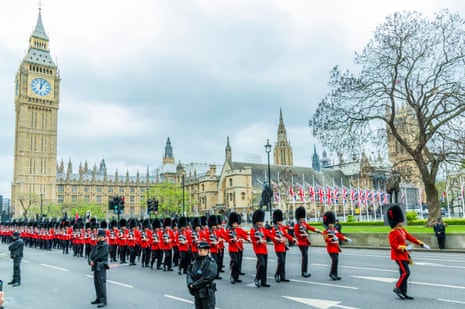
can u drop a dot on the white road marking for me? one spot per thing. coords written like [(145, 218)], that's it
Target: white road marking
[(54, 267), (114, 282), (181, 299), (325, 284), (391, 280), (451, 301), (319, 303), (364, 268)]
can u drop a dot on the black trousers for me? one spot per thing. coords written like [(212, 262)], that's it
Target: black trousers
[(304, 252), (184, 261), (205, 302), (113, 252), (17, 269), (334, 262), (100, 279), (146, 256), (281, 267), (404, 271), (262, 261), (442, 242), (167, 262), (122, 253), (234, 264), (132, 254)]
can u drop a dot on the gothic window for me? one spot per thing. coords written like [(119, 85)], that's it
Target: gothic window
[(243, 196), (110, 189), (61, 198), (87, 198), (74, 198), (203, 187), (121, 190), (61, 188), (230, 182), (132, 199), (74, 189), (133, 189), (99, 199), (86, 189), (99, 189)]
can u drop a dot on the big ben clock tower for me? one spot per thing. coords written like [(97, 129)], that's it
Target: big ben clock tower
[(37, 86)]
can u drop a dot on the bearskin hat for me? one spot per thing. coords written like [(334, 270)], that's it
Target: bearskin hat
[(203, 220), (132, 223), (156, 223), (300, 213), (195, 221), (277, 216), (122, 222), (219, 219), (146, 224), (174, 223), (258, 216), (212, 221), (182, 222), (103, 224), (166, 222), (233, 218), (113, 223), (395, 215), (329, 218)]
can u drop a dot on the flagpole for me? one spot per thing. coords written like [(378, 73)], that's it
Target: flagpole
[(314, 200), (447, 198), (335, 200), (461, 193), (343, 199)]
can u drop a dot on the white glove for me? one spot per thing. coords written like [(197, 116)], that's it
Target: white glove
[(348, 240), (409, 248), (426, 246)]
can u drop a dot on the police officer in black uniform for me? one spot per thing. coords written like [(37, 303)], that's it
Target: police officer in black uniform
[(200, 276), (16, 253), (98, 260)]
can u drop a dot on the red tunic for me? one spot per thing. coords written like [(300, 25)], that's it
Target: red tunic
[(397, 240), (332, 237), (259, 236), (300, 232), (278, 234)]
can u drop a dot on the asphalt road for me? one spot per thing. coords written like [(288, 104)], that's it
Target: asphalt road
[(53, 280)]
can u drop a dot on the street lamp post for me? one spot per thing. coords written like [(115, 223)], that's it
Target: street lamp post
[(268, 150), (183, 200)]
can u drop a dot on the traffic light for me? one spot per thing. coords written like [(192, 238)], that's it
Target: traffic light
[(155, 205), (150, 205), (121, 204), (115, 204)]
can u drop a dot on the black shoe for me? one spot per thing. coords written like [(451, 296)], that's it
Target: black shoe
[(398, 292), (306, 275), (407, 296), (101, 305), (95, 302), (12, 282), (242, 274), (257, 283), (334, 277), (238, 280), (285, 280), (266, 285), (16, 284), (218, 277), (170, 269)]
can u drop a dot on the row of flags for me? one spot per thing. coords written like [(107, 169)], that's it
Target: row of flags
[(333, 195), (445, 195)]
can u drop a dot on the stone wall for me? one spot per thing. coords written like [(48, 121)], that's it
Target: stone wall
[(380, 240)]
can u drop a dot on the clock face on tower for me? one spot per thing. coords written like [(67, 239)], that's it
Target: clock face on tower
[(40, 86)]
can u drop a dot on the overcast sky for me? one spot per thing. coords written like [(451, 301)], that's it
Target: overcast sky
[(136, 72)]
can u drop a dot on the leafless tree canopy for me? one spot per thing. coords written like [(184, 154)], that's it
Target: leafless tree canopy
[(414, 63)]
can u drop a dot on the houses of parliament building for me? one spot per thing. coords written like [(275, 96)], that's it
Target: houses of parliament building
[(211, 188)]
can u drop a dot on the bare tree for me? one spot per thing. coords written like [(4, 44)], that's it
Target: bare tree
[(412, 69)]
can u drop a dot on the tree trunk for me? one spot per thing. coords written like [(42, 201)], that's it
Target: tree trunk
[(434, 210)]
